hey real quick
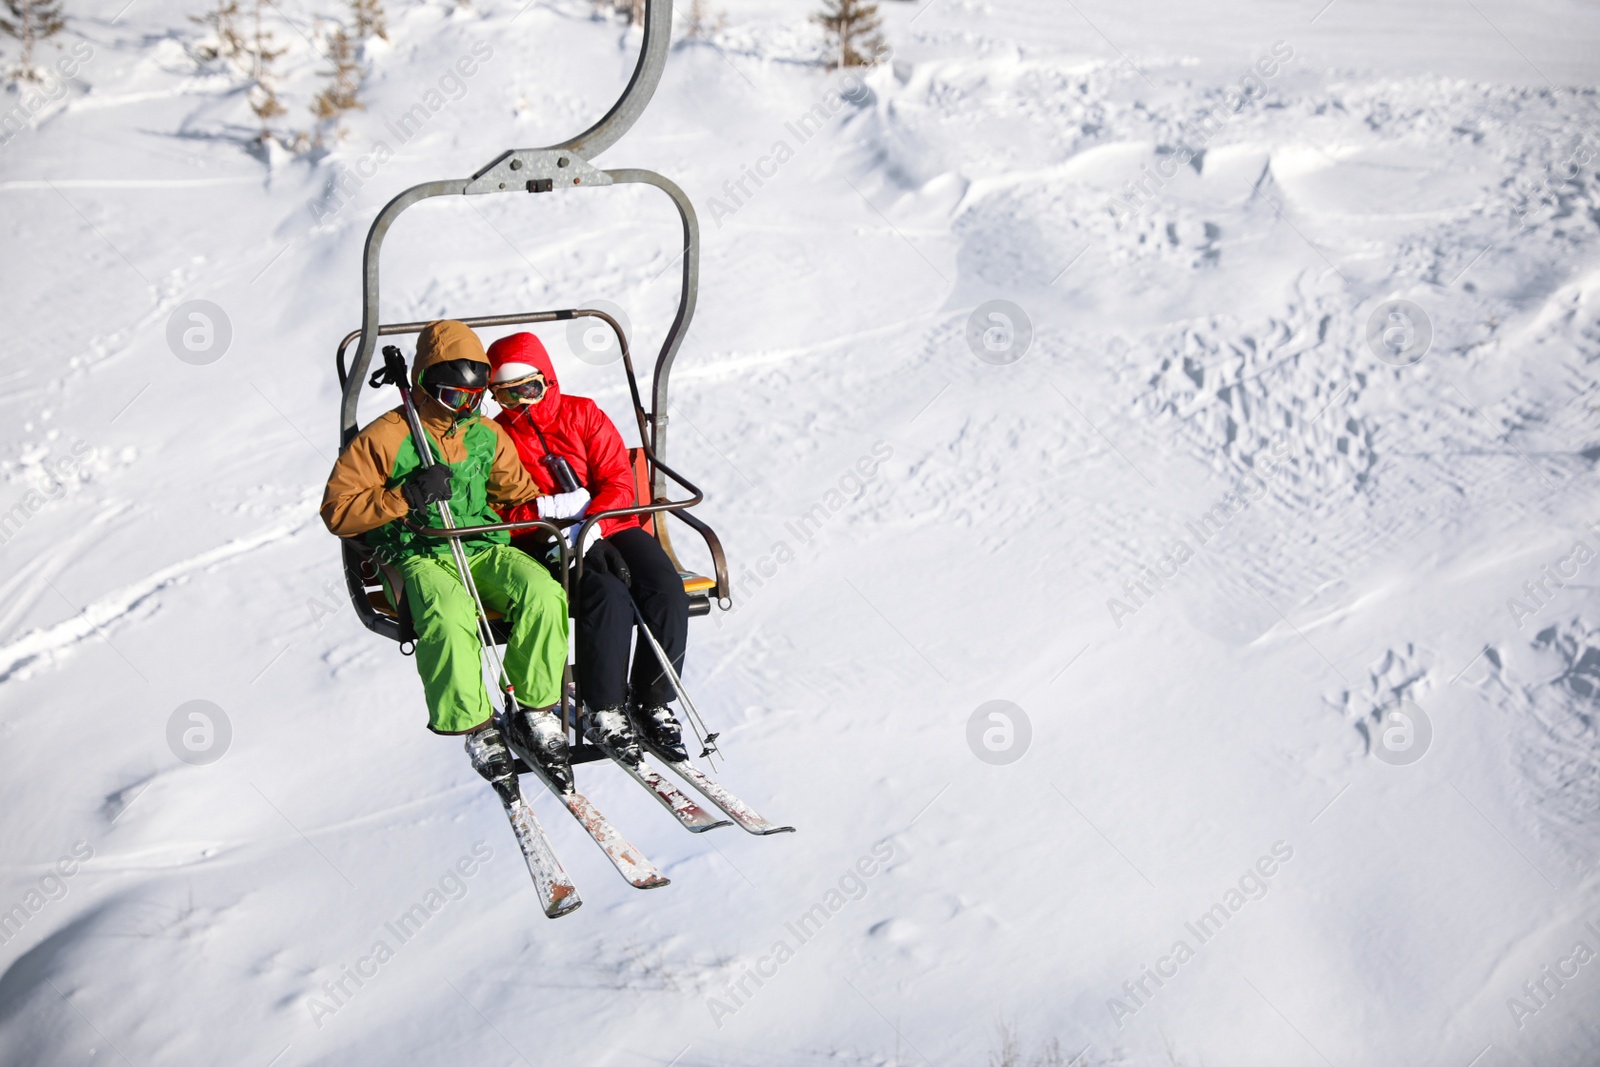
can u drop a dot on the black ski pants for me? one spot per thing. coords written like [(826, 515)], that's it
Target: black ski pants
[(605, 624)]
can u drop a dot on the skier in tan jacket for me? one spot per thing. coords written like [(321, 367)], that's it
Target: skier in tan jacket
[(379, 490)]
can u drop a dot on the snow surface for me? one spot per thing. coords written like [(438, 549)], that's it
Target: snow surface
[(1437, 152)]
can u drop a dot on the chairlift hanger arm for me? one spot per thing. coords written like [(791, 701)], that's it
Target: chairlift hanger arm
[(641, 87), (517, 165)]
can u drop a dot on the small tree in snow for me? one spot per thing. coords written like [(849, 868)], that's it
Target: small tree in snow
[(852, 28), (227, 43), (264, 93), (370, 19), (1010, 1054), (702, 22), (343, 91), (31, 22), (344, 83), (632, 10)]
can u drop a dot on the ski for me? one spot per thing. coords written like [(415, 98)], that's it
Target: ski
[(556, 892), (491, 760), (629, 861), (736, 809), (690, 815)]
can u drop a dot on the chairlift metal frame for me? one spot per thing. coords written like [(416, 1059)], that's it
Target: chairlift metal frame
[(561, 167)]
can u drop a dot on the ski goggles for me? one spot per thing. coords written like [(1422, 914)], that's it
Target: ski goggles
[(523, 391), (459, 399)]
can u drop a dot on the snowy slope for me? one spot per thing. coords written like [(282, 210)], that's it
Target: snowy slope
[(1180, 737)]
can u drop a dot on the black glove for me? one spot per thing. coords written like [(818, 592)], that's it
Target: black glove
[(427, 486), (603, 558)]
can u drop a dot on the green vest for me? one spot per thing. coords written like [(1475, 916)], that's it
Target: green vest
[(469, 498)]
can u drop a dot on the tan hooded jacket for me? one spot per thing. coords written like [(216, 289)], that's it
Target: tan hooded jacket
[(362, 492)]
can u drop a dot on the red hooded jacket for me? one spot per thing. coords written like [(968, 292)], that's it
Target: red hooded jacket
[(575, 428)]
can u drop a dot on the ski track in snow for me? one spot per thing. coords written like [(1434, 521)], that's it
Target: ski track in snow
[(95, 619)]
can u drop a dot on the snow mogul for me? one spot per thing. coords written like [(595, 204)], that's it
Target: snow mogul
[(380, 491), (573, 451)]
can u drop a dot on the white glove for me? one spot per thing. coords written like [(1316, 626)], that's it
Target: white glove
[(564, 505), (588, 539)]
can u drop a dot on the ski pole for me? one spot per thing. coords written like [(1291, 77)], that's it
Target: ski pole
[(395, 371), (702, 731)]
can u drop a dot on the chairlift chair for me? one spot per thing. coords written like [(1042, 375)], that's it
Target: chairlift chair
[(537, 171)]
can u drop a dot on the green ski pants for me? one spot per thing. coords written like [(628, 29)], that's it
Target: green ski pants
[(449, 653)]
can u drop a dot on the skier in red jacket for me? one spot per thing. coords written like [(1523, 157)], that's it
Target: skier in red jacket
[(623, 562)]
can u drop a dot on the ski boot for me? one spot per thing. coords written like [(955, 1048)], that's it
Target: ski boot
[(609, 728), (657, 728), (536, 734), (490, 758)]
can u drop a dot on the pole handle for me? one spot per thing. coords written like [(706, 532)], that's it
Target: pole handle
[(393, 370)]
